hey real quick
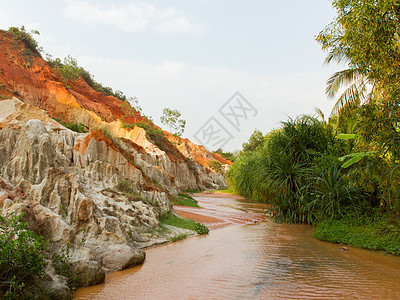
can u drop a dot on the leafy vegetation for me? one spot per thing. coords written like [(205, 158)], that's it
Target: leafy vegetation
[(171, 118), (174, 220), (77, 127), (22, 259), (215, 165), (227, 155), (68, 69), (376, 235), (106, 90), (21, 35), (185, 200), (343, 174), (156, 134), (311, 175)]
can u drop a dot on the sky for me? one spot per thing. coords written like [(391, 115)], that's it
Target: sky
[(229, 67)]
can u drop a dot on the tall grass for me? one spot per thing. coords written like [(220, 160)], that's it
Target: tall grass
[(295, 172)]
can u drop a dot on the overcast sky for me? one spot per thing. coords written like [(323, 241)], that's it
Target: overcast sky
[(194, 55)]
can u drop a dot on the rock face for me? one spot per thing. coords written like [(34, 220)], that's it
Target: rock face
[(39, 85), (98, 192), (85, 189)]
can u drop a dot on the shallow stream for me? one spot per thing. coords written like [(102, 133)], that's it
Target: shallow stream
[(244, 257)]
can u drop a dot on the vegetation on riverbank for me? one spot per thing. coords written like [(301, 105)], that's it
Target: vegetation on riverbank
[(185, 200), (174, 220), (22, 259), (380, 234), (340, 174)]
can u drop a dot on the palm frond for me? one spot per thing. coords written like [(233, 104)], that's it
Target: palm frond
[(320, 113), (339, 57), (352, 97), (340, 79)]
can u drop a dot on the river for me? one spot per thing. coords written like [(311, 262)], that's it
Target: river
[(246, 256)]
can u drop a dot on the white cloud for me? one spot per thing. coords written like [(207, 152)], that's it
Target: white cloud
[(133, 17)]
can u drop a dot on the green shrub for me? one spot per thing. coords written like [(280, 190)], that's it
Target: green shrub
[(215, 165), (185, 200), (22, 258), (157, 135), (77, 127), (63, 266), (227, 155), (68, 69), (201, 228), (20, 34)]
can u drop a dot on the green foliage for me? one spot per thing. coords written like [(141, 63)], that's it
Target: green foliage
[(131, 108), (365, 36), (354, 158), (63, 267), (379, 126), (296, 170), (77, 127), (108, 91), (22, 258), (21, 35), (185, 200), (333, 196), (227, 155), (68, 69), (375, 52), (200, 228), (61, 261), (362, 233), (178, 237), (171, 118), (156, 134), (255, 142), (215, 165), (174, 220)]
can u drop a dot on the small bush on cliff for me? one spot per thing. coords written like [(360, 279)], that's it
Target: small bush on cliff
[(68, 69), (20, 34), (77, 127), (215, 165), (157, 135), (227, 155), (22, 258)]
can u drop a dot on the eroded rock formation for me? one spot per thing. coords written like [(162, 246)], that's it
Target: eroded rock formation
[(99, 192)]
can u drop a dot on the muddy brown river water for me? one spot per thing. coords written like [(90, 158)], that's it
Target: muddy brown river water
[(248, 257)]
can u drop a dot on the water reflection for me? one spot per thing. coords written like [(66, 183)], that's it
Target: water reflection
[(259, 261)]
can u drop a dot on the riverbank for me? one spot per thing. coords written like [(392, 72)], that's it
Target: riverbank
[(377, 235)]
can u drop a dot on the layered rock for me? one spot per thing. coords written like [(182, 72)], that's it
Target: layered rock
[(39, 85), (66, 183), (100, 192)]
